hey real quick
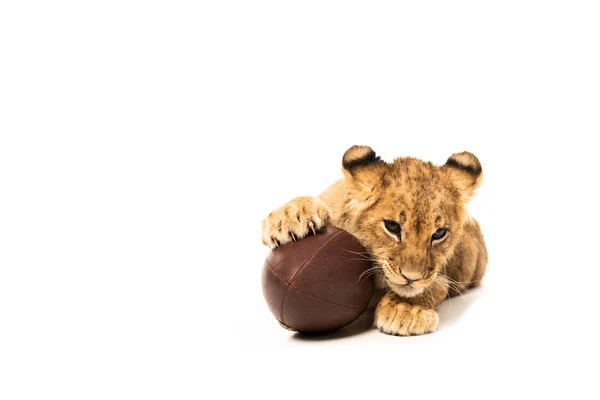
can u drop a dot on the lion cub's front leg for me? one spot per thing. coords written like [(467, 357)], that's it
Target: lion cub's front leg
[(295, 220), (394, 316)]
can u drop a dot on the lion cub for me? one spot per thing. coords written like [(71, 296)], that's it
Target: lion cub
[(410, 216)]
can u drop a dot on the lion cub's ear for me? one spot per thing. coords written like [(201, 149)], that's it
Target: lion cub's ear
[(465, 170), (360, 164), (356, 158)]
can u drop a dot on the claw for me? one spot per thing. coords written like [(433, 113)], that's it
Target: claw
[(294, 238), (277, 244), (311, 225)]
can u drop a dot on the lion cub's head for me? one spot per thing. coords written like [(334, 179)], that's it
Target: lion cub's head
[(409, 214)]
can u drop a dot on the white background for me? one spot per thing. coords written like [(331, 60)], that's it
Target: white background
[(142, 143)]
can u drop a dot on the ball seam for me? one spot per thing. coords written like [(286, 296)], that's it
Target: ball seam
[(313, 256), (300, 269), (289, 285)]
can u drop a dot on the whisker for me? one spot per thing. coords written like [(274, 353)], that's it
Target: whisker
[(454, 285), (455, 281), (459, 285), (359, 253), (447, 292), (362, 259), (370, 272)]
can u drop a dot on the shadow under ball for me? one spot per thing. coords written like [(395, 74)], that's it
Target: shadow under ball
[(318, 283)]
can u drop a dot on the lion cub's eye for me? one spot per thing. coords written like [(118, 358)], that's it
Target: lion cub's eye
[(392, 226), (439, 234)]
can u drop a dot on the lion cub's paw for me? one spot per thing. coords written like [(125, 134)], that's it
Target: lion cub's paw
[(295, 220), (396, 318)]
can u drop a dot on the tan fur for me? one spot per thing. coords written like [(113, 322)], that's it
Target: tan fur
[(419, 196)]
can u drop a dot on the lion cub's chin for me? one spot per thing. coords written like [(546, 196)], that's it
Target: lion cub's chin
[(406, 291)]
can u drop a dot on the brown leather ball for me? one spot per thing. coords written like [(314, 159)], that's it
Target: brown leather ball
[(319, 283)]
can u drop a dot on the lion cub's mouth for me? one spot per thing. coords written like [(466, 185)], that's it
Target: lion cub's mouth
[(404, 289)]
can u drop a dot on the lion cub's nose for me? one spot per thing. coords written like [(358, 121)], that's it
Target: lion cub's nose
[(411, 276)]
